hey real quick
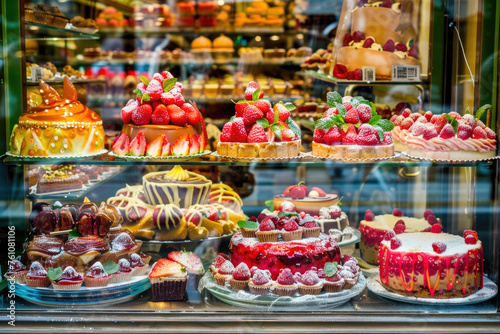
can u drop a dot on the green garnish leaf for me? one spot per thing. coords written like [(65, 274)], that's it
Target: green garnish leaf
[(168, 84), (481, 111), (374, 109), (345, 127), (293, 126), (357, 125), (332, 98), (248, 224), (330, 269), (290, 106), (386, 125), (452, 121), (339, 203), (232, 118), (324, 123), (240, 101), (263, 122), (145, 97), (355, 103), (380, 132), (341, 109), (270, 205), (73, 233), (54, 273), (256, 94), (375, 119), (110, 267), (467, 111), (144, 80), (57, 205), (138, 92), (287, 214), (276, 116), (276, 129)]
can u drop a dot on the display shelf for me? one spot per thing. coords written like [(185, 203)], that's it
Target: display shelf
[(60, 82), (43, 32), (333, 80), (193, 32)]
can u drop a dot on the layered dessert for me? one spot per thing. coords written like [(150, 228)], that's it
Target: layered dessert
[(377, 34), (298, 198), (168, 280), (445, 137), (58, 181), (259, 130), (159, 122), (373, 229), (57, 126), (351, 129), (432, 265)]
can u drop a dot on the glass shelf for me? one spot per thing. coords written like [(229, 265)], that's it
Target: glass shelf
[(43, 32), (60, 82), (160, 31), (331, 79)]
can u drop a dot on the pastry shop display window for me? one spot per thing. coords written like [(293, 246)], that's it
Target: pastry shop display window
[(265, 165)]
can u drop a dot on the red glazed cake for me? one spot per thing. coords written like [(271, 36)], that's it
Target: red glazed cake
[(352, 129), (431, 265), (373, 228), (298, 255)]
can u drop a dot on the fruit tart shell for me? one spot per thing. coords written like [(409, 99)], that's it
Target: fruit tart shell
[(260, 150), (355, 152)]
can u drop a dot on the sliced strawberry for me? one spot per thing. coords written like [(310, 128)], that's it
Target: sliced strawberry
[(138, 145), (286, 193), (349, 136), (271, 137), (203, 136), (181, 145), (165, 267), (284, 113), (194, 145), (166, 149), (464, 131), (188, 259), (319, 191), (121, 145), (154, 147), (127, 111)]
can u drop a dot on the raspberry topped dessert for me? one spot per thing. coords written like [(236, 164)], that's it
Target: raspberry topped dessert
[(432, 265), (138, 266), (159, 122), (241, 277), (445, 137), (17, 271), (96, 276), (374, 228), (352, 129), (259, 130), (378, 34), (70, 279)]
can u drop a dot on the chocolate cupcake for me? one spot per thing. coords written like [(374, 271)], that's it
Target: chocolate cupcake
[(168, 281)]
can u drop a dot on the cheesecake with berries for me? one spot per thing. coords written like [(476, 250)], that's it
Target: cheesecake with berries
[(376, 34), (159, 122), (431, 265), (259, 130), (351, 129), (373, 228), (446, 136)]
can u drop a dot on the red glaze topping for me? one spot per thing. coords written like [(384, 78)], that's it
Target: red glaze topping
[(81, 245), (124, 266), (241, 272), (136, 261), (290, 226), (286, 277), (46, 244), (395, 243), (16, 266), (226, 268), (96, 271), (311, 225), (309, 278), (219, 260), (389, 235), (36, 270), (335, 278), (70, 276), (260, 277)]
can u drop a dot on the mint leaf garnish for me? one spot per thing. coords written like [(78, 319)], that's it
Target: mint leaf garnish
[(290, 106), (232, 118), (145, 97), (138, 92), (287, 214), (293, 126), (248, 224), (54, 273), (374, 109), (144, 80), (374, 120), (341, 109), (481, 111), (270, 205), (332, 98), (256, 94), (168, 84), (263, 122), (345, 127), (386, 125), (110, 267), (330, 269), (73, 233), (324, 123), (380, 132), (276, 129)]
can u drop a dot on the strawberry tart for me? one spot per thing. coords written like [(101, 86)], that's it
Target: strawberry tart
[(259, 130), (373, 229), (159, 123), (351, 129), (444, 137), (431, 265), (57, 126), (376, 34)]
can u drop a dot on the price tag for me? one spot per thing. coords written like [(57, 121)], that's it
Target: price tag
[(405, 73), (368, 73), (36, 74)]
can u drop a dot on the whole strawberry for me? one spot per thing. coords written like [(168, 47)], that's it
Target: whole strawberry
[(351, 116), (192, 114), (142, 115), (251, 88), (364, 112), (287, 135), (319, 135), (239, 107), (263, 105), (167, 98), (177, 115), (250, 114), (226, 134), (367, 136), (349, 136), (239, 134), (160, 115), (257, 134), (333, 137), (154, 90)]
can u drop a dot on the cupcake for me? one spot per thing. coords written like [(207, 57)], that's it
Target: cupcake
[(37, 276), (267, 231), (139, 268), (333, 283), (248, 228), (70, 279), (168, 280), (292, 231), (241, 277), (311, 229), (224, 273), (193, 265), (285, 283), (17, 271), (123, 274), (219, 260), (96, 276), (260, 284), (309, 283), (350, 279), (352, 266)]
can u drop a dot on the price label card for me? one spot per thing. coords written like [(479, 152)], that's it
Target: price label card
[(368, 73), (405, 73), (36, 74)]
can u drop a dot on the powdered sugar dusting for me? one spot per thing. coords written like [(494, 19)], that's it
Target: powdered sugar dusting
[(388, 221)]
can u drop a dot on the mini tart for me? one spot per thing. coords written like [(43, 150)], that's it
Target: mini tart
[(18, 275), (37, 281), (285, 290), (238, 285), (311, 232), (222, 279), (67, 284), (292, 235), (267, 236), (333, 286), (121, 276), (310, 289), (350, 281), (248, 232), (260, 289), (288, 149), (352, 151), (96, 282), (139, 270)]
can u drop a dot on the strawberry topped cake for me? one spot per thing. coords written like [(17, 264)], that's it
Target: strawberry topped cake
[(259, 130), (431, 265), (351, 129), (376, 34), (446, 137), (159, 123)]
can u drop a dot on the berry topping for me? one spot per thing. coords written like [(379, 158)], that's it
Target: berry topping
[(226, 268), (267, 225), (479, 133), (165, 267), (241, 272), (395, 243), (250, 114), (286, 277), (70, 274), (135, 260), (340, 71), (367, 135), (430, 132), (369, 216), (286, 206), (436, 228), (260, 277), (192, 114), (401, 47), (422, 119), (219, 260), (397, 213), (251, 88), (447, 132), (413, 52), (406, 124), (127, 111), (320, 191), (188, 259), (428, 115), (138, 145), (364, 112), (389, 46), (389, 235), (154, 90), (97, 270), (349, 137), (470, 232), (239, 107), (36, 270), (226, 133), (438, 247), (401, 221), (263, 105), (352, 116), (124, 266), (386, 4), (399, 228), (142, 115), (177, 115), (299, 191), (309, 278), (431, 219), (358, 36), (406, 113), (238, 131), (310, 225), (333, 137), (368, 42), (464, 131), (469, 120), (347, 39), (257, 134), (335, 278), (470, 240), (290, 226), (490, 133), (283, 112), (319, 135), (428, 212), (160, 115), (387, 138)]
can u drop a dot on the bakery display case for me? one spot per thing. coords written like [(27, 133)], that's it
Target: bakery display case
[(295, 166)]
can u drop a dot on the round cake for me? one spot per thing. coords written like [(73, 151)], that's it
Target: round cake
[(176, 186), (57, 126), (373, 231), (431, 265), (298, 255)]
